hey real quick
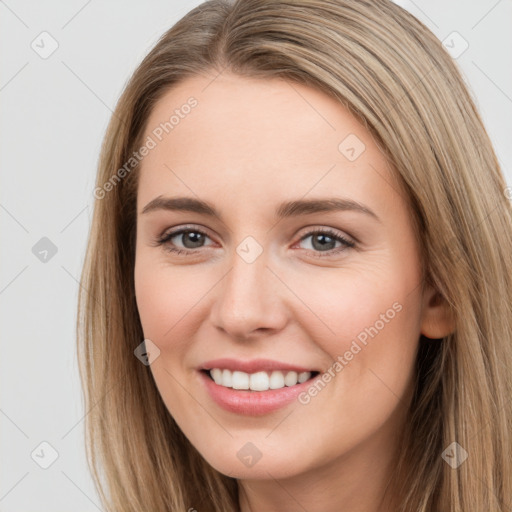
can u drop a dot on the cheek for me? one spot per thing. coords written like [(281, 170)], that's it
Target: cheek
[(358, 304), (370, 330), (372, 362), (165, 298), (167, 302)]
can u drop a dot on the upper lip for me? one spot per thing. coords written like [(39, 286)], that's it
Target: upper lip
[(252, 366)]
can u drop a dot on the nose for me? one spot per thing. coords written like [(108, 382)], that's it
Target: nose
[(249, 301)]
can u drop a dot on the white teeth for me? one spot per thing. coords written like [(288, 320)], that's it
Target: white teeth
[(276, 380), (240, 380), (227, 379), (216, 374), (303, 377), (291, 379), (259, 381)]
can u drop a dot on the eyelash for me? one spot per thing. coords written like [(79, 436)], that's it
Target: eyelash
[(347, 244)]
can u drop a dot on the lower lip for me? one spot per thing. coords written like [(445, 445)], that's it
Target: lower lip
[(252, 403)]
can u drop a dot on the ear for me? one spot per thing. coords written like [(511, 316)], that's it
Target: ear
[(437, 320)]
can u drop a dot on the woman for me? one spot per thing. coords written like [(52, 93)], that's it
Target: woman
[(231, 358)]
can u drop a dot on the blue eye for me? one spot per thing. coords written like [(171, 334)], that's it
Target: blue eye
[(194, 238)]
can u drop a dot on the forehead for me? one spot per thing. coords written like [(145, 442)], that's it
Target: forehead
[(241, 139)]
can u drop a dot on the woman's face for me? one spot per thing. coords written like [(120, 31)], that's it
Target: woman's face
[(309, 264)]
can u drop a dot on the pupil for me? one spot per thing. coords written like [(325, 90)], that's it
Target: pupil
[(322, 238), (192, 235)]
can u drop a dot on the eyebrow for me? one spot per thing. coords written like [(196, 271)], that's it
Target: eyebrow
[(286, 209)]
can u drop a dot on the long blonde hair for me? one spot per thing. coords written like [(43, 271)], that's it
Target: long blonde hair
[(392, 73)]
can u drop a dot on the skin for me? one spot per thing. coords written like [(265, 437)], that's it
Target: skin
[(247, 146)]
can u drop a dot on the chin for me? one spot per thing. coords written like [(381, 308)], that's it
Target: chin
[(242, 460)]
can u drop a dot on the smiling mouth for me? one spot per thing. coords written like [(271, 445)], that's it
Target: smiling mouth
[(259, 381)]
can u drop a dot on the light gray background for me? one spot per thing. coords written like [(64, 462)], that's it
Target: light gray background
[(53, 117)]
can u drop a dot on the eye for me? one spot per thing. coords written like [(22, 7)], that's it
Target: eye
[(324, 241), (191, 238)]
